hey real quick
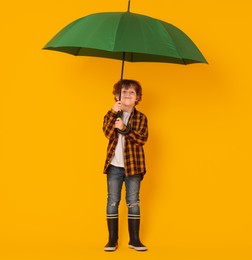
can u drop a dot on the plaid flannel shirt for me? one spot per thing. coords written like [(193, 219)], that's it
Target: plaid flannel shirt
[(134, 160)]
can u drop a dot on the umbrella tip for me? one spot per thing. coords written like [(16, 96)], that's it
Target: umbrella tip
[(128, 6)]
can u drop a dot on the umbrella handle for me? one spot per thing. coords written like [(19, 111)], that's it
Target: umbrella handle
[(127, 130)]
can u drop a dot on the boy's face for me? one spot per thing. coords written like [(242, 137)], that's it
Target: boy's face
[(128, 97)]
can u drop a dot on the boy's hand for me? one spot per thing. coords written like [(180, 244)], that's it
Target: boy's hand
[(119, 123), (117, 106)]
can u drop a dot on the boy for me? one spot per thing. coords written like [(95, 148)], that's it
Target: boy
[(125, 160)]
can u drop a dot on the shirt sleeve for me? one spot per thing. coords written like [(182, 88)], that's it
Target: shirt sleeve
[(140, 135), (108, 124)]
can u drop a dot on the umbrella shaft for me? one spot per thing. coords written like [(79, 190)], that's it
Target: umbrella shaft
[(123, 59), (120, 95)]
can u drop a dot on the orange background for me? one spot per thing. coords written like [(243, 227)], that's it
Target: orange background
[(196, 196)]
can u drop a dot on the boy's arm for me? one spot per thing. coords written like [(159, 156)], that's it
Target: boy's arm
[(108, 124), (139, 136)]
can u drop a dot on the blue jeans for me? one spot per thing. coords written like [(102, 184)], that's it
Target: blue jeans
[(115, 178)]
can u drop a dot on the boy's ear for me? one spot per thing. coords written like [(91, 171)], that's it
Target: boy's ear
[(117, 97)]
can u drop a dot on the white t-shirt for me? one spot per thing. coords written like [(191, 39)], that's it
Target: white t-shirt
[(118, 159)]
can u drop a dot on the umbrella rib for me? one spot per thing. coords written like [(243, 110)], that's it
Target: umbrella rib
[(116, 32), (175, 47), (77, 53)]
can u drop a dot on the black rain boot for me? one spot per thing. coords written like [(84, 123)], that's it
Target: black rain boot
[(113, 235), (135, 243)]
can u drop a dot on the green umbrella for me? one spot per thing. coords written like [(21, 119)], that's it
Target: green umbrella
[(126, 36)]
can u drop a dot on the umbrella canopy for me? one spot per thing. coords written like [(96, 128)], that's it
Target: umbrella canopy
[(126, 36)]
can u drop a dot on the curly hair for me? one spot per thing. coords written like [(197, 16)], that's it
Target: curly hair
[(127, 83)]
